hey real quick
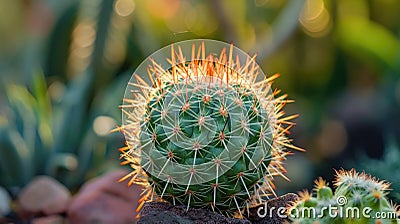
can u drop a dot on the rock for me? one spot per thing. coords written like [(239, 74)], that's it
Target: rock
[(162, 212), (53, 219), (105, 200), (43, 195), (270, 213), (4, 202)]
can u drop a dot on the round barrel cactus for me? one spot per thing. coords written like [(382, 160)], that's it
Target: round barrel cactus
[(203, 127)]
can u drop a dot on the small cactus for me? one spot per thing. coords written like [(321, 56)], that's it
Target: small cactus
[(358, 198), (204, 130)]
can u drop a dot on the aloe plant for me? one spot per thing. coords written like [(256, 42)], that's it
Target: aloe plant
[(38, 136), (26, 125), (57, 137), (28, 144)]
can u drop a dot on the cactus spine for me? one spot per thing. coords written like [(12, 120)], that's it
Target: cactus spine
[(204, 130), (358, 198)]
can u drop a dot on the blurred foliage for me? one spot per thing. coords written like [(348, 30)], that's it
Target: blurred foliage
[(62, 129), (340, 61), (28, 140), (25, 133), (385, 168)]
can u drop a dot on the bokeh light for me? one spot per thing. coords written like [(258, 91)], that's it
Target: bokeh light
[(102, 125), (315, 18), (124, 7)]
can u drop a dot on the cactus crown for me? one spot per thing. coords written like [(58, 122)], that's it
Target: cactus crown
[(353, 191), (204, 130)]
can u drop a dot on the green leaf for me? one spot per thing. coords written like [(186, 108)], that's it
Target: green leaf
[(368, 41)]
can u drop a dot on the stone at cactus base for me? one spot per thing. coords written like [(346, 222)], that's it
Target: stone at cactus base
[(161, 212), (4, 202), (104, 200), (43, 195), (53, 219)]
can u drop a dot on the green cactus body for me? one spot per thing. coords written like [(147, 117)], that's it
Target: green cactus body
[(358, 198), (205, 132), (207, 125)]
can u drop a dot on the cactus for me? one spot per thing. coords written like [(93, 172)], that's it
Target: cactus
[(358, 198), (204, 130)]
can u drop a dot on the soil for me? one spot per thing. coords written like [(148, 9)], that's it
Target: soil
[(162, 212)]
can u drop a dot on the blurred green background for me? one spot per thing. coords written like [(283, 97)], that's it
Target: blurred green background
[(64, 65)]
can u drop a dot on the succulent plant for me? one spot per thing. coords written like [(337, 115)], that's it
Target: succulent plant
[(28, 145), (358, 198), (49, 126), (204, 130)]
